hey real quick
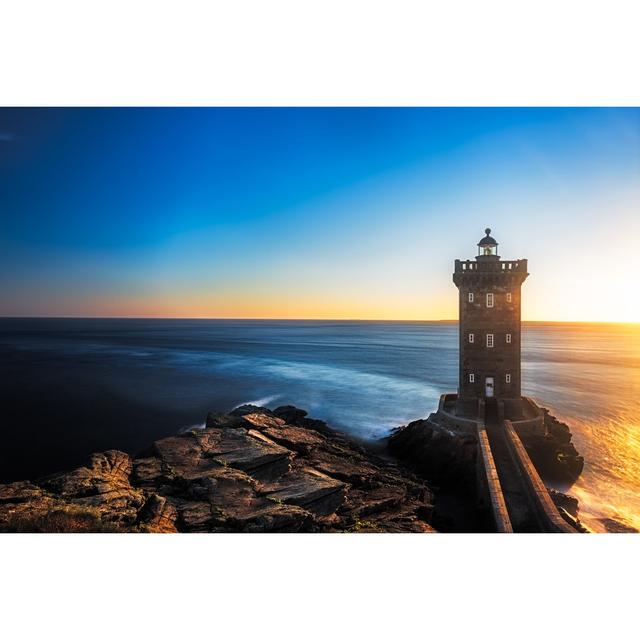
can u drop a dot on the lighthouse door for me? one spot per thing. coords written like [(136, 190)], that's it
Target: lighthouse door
[(488, 387)]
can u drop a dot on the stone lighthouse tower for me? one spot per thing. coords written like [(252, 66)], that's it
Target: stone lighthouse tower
[(489, 312)]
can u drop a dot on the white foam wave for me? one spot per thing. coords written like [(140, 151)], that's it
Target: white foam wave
[(260, 402), (200, 425)]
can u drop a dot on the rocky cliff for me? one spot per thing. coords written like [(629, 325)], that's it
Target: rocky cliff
[(552, 452), (446, 455), (253, 470)]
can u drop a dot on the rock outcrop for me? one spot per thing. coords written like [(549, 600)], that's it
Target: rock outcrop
[(446, 455), (569, 509), (437, 452), (552, 452), (253, 470)]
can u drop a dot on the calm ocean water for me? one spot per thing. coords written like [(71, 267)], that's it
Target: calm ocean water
[(72, 386)]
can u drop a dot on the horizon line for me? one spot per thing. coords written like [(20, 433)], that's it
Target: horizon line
[(443, 320)]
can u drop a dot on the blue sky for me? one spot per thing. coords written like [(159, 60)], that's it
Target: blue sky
[(355, 213)]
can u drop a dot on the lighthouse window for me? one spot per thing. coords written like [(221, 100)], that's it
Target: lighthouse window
[(508, 338), (489, 299), (472, 377), (508, 297), (508, 377), (471, 337), (470, 297), (489, 339)]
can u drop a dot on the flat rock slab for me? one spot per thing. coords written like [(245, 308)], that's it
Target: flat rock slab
[(253, 452), (261, 421), (374, 501), (296, 438), (256, 514), (182, 457), (290, 436), (201, 453), (353, 471), (308, 488)]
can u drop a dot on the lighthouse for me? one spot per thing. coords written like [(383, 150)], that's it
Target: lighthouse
[(489, 312)]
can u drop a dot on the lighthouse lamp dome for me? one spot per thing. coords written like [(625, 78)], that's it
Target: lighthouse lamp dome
[(487, 247)]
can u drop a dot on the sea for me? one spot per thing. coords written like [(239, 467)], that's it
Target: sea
[(70, 387)]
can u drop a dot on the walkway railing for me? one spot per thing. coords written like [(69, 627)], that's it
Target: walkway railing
[(488, 477), (527, 498), (539, 497)]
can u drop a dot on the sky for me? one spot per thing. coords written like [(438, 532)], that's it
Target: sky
[(354, 213)]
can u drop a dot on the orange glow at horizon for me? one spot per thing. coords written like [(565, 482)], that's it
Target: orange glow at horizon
[(270, 307)]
